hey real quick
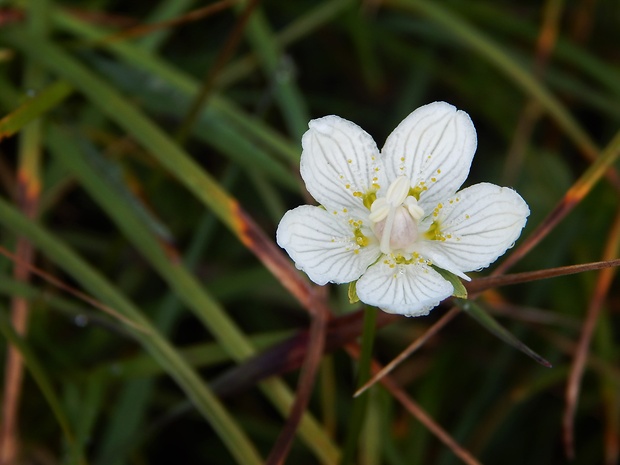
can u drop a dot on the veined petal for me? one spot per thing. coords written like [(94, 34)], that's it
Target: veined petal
[(325, 246), (407, 289), (433, 147), (474, 227), (340, 164)]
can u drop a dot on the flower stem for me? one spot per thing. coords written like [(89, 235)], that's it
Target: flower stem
[(356, 420)]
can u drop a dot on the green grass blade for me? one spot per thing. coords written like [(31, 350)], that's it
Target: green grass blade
[(34, 107), (488, 49), (228, 430), (210, 127), (280, 72), (43, 381), (189, 290), (160, 71), (164, 10), (491, 325)]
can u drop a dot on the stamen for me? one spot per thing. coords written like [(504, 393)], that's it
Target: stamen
[(398, 191), (378, 210), (415, 210)]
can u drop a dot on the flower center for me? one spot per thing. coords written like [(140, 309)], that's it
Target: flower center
[(395, 217)]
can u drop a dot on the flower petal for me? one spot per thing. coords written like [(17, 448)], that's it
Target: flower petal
[(339, 163), (434, 145), (324, 245), (411, 289), (476, 226)]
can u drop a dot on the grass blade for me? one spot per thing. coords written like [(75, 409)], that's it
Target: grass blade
[(42, 379), (491, 325), (239, 445), (186, 286), (34, 107)]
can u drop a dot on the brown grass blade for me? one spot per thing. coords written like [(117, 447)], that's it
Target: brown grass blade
[(70, 290), (489, 282), (532, 110), (274, 259), (573, 196), (27, 197), (289, 354), (415, 345), (418, 412), (474, 288), (145, 29), (305, 385), (573, 385), (224, 55)]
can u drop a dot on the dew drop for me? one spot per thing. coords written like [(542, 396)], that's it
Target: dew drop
[(81, 320)]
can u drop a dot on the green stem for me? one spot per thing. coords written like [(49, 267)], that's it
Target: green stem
[(356, 420)]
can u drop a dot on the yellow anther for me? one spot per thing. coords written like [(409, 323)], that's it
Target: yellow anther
[(360, 239)]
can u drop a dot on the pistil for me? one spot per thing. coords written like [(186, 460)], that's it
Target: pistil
[(395, 217)]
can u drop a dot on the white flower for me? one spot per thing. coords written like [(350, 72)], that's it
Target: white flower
[(387, 217)]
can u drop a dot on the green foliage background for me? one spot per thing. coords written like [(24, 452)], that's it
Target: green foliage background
[(135, 128)]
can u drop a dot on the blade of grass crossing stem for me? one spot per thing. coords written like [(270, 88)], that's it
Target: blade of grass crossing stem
[(491, 325), (397, 393), (34, 107), (203, 186), (42, 379), (225, 110), (499, 58), (356, 420), (210, 127), (139, 126), (189, 290), (114, 446), (170, 155), (214, 412), (280, 71)]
